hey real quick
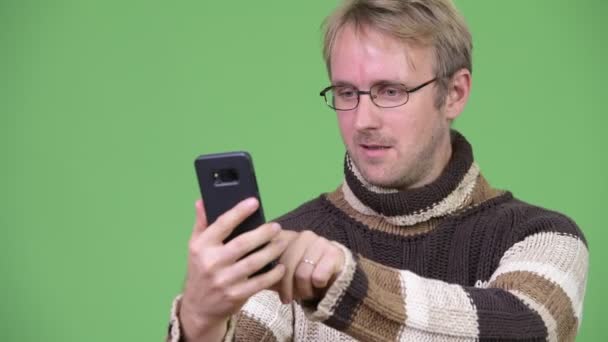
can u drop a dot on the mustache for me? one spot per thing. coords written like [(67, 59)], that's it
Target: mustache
[(372, 138)]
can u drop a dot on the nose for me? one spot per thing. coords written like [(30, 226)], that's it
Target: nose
[(367, 114)]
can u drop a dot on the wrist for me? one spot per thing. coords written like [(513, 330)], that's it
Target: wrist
[(194, 328)]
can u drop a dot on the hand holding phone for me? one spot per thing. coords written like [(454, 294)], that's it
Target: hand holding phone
[(219, 279), (229, 244), (225, 179)]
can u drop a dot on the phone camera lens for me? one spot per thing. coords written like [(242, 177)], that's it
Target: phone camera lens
[(225, 177)]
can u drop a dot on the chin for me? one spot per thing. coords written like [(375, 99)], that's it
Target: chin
[(378, 172), (384, 176), (376, 175), (387, 183)]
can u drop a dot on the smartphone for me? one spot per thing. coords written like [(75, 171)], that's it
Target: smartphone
[(225, 179)]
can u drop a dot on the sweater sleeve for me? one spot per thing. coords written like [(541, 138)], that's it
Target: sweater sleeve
[(535, 294), (262, 318)]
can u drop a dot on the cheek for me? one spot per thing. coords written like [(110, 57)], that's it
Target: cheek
[(409, 128), (400, 124)]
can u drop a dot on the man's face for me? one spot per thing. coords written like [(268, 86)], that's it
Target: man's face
[(400, 147)]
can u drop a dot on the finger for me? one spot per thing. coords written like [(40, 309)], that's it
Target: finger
[(201, 219), (249, 265), (247, 242), (290, 259), (219, 230), (304, 270), (288, 235), (258, 283), (327, 267)]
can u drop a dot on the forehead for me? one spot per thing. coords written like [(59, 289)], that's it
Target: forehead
[(365, 56)]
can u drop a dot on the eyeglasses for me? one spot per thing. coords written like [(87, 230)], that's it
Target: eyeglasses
[(383, 95)]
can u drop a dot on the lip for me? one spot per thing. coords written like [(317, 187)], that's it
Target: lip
[(374, 151)]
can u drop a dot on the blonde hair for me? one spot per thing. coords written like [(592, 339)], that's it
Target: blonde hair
[(435, 23)]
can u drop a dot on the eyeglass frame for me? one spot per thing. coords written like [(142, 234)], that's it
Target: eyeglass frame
[(369, 92)]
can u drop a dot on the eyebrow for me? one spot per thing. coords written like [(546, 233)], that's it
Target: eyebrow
[(342, 83), (382, 81)]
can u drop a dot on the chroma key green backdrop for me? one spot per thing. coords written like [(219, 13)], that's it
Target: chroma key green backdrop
[(104, 104)]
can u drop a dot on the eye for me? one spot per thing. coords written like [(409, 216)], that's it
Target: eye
[(390, 90), (345, 92)]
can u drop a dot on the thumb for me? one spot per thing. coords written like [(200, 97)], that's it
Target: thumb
[(201, 219)]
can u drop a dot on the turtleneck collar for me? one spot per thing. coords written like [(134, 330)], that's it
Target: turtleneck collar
[(448, 193)]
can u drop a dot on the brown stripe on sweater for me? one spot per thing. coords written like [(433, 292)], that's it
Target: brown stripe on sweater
[(371, 317), (481, 193), (250, 329), (546, 293), (378, 222), (351, 299)]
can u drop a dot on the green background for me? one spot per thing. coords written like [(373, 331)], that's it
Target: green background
[(105, 104)]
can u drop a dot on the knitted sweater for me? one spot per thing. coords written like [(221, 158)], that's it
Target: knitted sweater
[(455, 260)]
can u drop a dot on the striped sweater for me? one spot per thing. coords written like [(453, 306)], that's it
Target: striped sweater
[(455, 260)]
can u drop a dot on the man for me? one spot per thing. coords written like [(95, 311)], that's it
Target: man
[(415, 245)]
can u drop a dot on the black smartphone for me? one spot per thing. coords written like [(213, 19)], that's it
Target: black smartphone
[(225, 179)]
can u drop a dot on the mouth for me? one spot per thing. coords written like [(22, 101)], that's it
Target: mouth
[(375, 147)]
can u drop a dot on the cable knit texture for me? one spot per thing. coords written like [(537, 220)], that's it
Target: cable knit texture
[(455, 260)]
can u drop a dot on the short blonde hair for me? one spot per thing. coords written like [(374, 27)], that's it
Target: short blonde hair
[(435, 23)]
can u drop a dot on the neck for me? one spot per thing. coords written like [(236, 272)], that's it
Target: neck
[(444, 192)]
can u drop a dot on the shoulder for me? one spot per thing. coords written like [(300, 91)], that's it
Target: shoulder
[(523, 219)]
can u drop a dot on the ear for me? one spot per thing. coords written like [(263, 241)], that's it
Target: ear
[(459, 88)]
